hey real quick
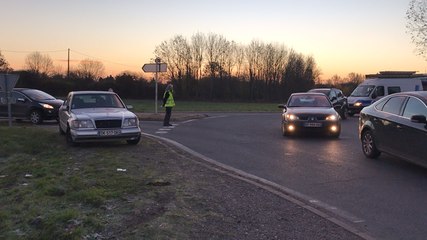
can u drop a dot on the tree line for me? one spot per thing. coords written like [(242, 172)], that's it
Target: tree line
[(204, 67)]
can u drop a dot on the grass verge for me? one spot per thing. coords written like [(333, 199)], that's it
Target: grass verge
[(201, 106), (95, 191)]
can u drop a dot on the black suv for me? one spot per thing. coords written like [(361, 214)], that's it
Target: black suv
[(31, 104), (337, 98)]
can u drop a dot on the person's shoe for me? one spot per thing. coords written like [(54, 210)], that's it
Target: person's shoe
[(167, 125)]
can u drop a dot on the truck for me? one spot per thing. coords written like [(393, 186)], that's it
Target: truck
[(382, 84)]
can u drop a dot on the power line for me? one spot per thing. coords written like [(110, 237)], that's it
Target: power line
[(74, 51), (21, 51), (104, 60)]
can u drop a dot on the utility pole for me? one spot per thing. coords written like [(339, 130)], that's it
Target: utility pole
[(157, 61), (68, 69)]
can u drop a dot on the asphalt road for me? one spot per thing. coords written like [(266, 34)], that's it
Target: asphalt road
[(385, 198)]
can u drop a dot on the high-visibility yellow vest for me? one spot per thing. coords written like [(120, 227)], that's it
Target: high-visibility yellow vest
[(169, 102)]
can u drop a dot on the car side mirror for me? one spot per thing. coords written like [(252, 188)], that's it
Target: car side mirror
[(282, 106), (419, 119)]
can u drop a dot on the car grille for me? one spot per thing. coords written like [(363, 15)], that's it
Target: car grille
[(312, 117), (108, 123)]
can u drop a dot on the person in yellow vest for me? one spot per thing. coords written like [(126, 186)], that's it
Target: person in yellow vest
[(168, 103)]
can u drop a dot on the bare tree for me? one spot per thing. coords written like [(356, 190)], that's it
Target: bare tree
[(4, 65), (416, 25), (90, 69), (198, 44), (39, 63)]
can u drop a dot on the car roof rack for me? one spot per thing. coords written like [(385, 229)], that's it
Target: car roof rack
[(395, 74)]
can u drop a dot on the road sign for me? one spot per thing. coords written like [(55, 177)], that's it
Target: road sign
[(155, 67), (8, 81)]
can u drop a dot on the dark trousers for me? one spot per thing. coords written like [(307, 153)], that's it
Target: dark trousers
[(167, 116)]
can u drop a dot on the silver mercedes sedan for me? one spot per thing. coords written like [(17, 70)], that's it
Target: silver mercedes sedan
[(90, 116)]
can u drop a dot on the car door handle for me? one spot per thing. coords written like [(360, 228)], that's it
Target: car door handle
[(399, 127)]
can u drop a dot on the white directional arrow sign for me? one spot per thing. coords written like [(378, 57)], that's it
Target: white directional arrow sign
[(155, 67)]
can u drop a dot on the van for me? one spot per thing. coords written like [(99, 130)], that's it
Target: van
[(382, 84)]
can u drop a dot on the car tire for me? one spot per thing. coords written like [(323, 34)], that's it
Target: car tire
[(61, 132), (344, 113), (369, 147), (284, 132), (69, 138), (134, 141), (36, 116)]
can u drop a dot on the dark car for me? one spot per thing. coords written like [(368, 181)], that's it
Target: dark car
[(310, 112), (31, 104), (396, 124), (337, 98)]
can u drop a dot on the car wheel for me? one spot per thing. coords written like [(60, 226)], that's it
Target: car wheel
[(284, 132), (134, 141), (36, 117), (60, 130), (369, 147), (344, 113), (69, 138)]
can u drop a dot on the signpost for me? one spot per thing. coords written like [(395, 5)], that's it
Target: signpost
[(156, 67), (7, 83)]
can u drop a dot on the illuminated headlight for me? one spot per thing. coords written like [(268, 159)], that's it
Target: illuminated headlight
[(332, 118), (358, 104), (47, 106), (334, 128), (291, 117), (130, 122), (82, 124)]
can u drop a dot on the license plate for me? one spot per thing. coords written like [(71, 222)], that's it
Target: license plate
[(109, 132), (313, 124)]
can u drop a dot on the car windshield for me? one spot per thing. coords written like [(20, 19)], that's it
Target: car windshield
[(96, 101), (309, 101), (37, 94), (324, 91), (362, 91)]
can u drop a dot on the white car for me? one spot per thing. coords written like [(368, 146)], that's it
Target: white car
[(90, 116)]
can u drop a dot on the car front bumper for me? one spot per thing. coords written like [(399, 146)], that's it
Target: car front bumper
[(94, 135), (324, 127)]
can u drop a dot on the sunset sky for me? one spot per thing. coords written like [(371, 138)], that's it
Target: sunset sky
[(343, 36)]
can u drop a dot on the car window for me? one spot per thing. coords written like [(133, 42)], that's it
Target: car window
[(332, 94), (393, 105), (362, 91), (392, 90), (339, 94), (309, 101), (37, 94), (17, 97), (379, 91), (96, 101), (414, 107)]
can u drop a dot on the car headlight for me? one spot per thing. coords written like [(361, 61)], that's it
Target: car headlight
[(332, 118), (130, 122), (291, 117), (82, 124), (47, 106), (358, 104)]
